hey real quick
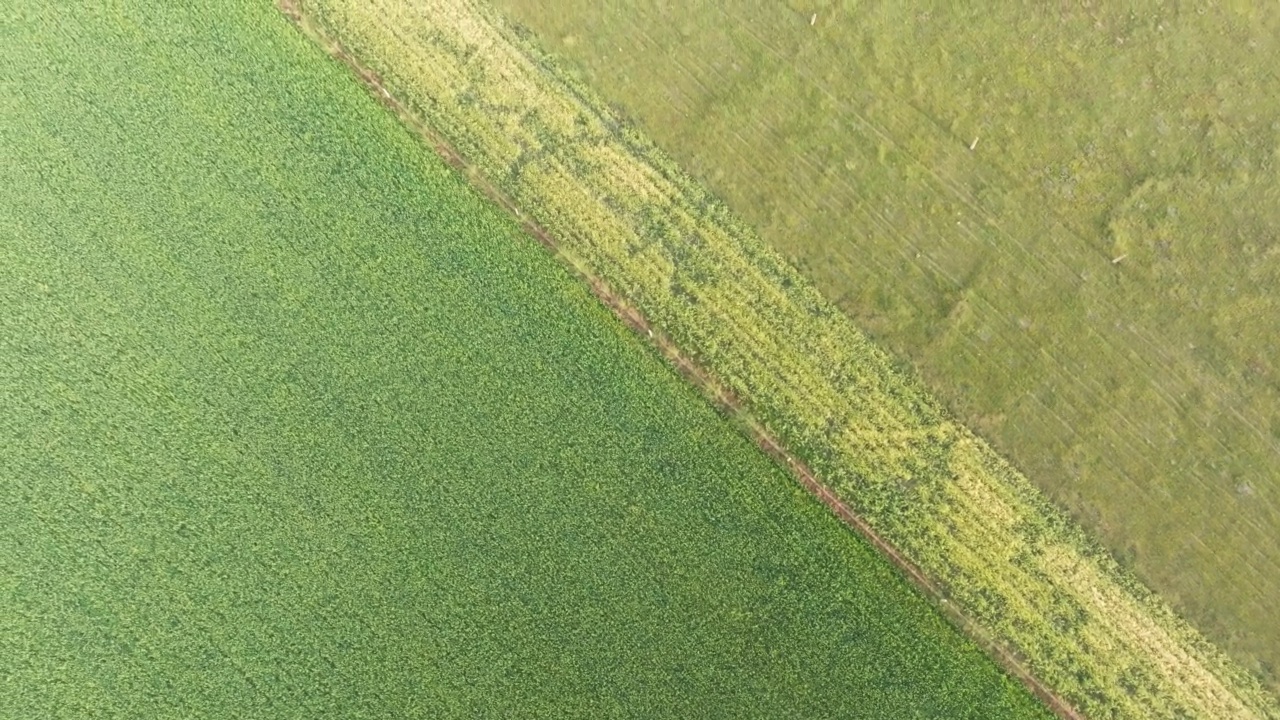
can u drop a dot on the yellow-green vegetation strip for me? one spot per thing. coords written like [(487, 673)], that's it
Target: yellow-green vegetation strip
[(623, 212)]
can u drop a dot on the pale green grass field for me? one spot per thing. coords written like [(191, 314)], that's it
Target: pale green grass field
[(1142, 394)]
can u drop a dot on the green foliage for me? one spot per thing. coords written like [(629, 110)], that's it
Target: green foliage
[(296, 425), (624, 212)]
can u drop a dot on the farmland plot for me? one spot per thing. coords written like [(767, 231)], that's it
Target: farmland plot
[(295, 424), (1091, 285)]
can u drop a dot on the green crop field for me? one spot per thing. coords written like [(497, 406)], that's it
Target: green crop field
[(1005, 563), (1141, 394), (295, 424)]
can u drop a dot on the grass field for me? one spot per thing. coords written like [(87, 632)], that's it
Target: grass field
[(295, 424), (622, 211), (1142, 395)]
